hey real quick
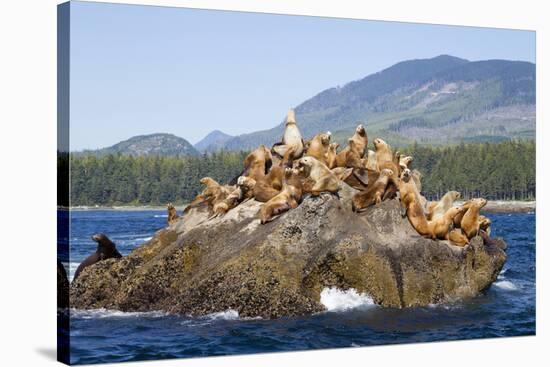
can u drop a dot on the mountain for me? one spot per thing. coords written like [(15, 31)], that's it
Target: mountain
[(439, 101), (147, 145), (213, 141)]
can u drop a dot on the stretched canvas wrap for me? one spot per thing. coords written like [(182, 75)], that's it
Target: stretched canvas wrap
[(236, 183)]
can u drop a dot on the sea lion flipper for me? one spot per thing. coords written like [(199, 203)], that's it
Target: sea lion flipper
[(361, 175), (279, 149)]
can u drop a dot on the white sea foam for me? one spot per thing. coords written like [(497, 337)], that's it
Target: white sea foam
[(160, 215), (335, 299), (102, 313), (501, 274), (224, 315), (143, 239), (506, 285)]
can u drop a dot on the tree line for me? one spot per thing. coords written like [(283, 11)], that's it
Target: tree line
[(503, 171)]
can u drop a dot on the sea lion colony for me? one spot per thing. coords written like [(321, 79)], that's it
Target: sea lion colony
[(281, 177)]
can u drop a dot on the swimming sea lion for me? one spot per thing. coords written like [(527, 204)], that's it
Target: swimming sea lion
[(292, 145), (172, 213), (106, 249), (318, 147), (470, 222), (439, 208), (373, 194), (288, 198), (325, 180), (410, 200)]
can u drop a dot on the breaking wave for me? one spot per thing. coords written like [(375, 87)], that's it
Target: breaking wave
[(335, 299)]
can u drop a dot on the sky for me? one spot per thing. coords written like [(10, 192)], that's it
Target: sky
[(138, 69)]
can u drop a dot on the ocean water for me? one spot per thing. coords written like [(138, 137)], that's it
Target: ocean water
[(507, 308)]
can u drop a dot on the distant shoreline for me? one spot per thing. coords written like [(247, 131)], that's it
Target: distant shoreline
[(493, 206)]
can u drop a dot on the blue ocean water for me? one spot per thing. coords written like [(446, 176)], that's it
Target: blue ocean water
[(99, 336)]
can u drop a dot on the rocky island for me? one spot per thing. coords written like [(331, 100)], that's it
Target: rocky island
[(200, 265)]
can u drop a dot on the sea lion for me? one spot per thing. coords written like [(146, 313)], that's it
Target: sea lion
[(256, 164), (417, 177), (405, 161), (292, 145), (288, 198), (383, 152), (410, 200), (360, 141), (374, 193), (442, 224), (437, 209), (331, 155), (242, 192), (172, 213), (318, 147), (106, 249), (484, 224), (212, 194), (457, 237), (470, 221), (370, 162), (325, 180), (274, 178), (459, 217)]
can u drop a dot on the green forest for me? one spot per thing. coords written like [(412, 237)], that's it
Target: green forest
[(503, 171)]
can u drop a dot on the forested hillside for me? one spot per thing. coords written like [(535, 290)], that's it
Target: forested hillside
[(495, 171)]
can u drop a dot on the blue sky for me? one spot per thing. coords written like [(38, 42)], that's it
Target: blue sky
[(142, 69)]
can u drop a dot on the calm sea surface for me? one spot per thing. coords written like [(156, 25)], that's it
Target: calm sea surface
[(506, 309)]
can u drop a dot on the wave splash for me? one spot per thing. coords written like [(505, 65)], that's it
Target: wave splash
[(336, 300), (102, 313), (506, 285)]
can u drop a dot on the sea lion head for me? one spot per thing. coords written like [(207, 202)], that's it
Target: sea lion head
[(379, 144), (334, 146), (455, 195), (479, 202), (406, 175), (169, 206), (360, 130), (484, 222), (386, 172), (304, 165), (247, 183), (103, 242), (206, 180), (455, 210), (405, 160), (306, 161), (290, 118), (325, 138)]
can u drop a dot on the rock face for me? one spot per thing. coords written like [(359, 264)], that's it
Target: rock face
[(198, 266)]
